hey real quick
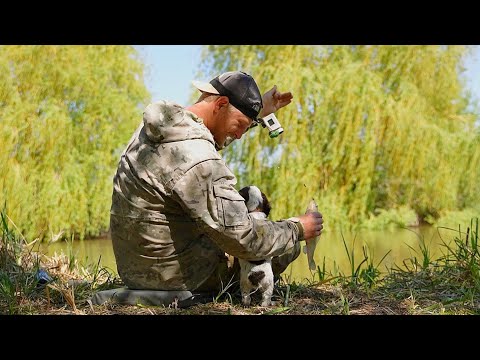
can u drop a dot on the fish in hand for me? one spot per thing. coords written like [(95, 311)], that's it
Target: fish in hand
[(311, 244)]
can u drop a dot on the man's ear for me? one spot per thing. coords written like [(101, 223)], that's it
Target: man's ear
[(222, 102)]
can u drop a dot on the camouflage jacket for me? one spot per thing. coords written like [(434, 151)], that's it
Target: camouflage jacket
[(175, 210)]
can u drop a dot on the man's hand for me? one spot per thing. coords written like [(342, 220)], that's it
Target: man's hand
[(312, 224), (274, 100)]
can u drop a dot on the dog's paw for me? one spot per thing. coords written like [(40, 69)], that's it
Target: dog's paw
[(246, 300), (266, 303)]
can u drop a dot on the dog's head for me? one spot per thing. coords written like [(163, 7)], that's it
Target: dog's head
[(255, 199)]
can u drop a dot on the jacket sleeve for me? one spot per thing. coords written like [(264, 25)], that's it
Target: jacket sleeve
[(207, 194)]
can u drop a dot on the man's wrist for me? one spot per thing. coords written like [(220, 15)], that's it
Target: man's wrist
[(299, 226), (263, 113), (300, 231)]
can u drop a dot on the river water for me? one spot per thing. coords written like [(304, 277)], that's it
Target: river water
[(402, 244)]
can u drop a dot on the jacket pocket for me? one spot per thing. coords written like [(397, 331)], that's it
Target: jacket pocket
[(232, 210)]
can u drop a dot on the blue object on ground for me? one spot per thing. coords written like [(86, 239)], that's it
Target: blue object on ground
[(42, 277)]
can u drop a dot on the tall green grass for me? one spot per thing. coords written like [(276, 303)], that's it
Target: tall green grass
[(18, 266), (20, 289), (364, 272), (451, 280)]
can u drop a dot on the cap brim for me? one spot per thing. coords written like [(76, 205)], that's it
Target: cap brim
[(205, 87)]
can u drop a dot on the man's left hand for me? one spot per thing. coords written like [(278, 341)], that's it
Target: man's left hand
[(274, 100)]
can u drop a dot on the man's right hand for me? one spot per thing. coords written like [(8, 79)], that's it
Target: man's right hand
[(312, 224)]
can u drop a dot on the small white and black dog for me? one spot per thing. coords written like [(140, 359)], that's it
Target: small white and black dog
[(256, 275)]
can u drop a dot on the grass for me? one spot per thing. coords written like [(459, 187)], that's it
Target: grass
[(24, 291), (360, 275), (449, 284)]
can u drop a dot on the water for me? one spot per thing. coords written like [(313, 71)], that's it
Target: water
[(330, 247), (397, 244)]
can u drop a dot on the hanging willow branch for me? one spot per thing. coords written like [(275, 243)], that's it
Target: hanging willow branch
[(65, 114), (371, 127)]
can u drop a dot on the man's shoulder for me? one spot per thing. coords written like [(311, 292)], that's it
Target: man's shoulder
[(166, 102), (162, 105)]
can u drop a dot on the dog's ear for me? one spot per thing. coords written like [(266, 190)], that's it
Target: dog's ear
[(266, 205), (244, 192)]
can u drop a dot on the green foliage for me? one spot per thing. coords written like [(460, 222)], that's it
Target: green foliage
[(370, 128), (454, 217), (66, 113), (402, 216)]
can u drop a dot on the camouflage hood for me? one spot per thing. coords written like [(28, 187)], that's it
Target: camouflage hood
[(166, 122)]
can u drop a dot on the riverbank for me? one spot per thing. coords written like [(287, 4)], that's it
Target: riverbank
[(34, 283)]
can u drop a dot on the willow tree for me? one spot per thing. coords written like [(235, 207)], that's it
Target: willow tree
[(371, 128), (65, 113)]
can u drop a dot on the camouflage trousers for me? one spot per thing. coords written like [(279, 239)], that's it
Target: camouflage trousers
[(229, 275)]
